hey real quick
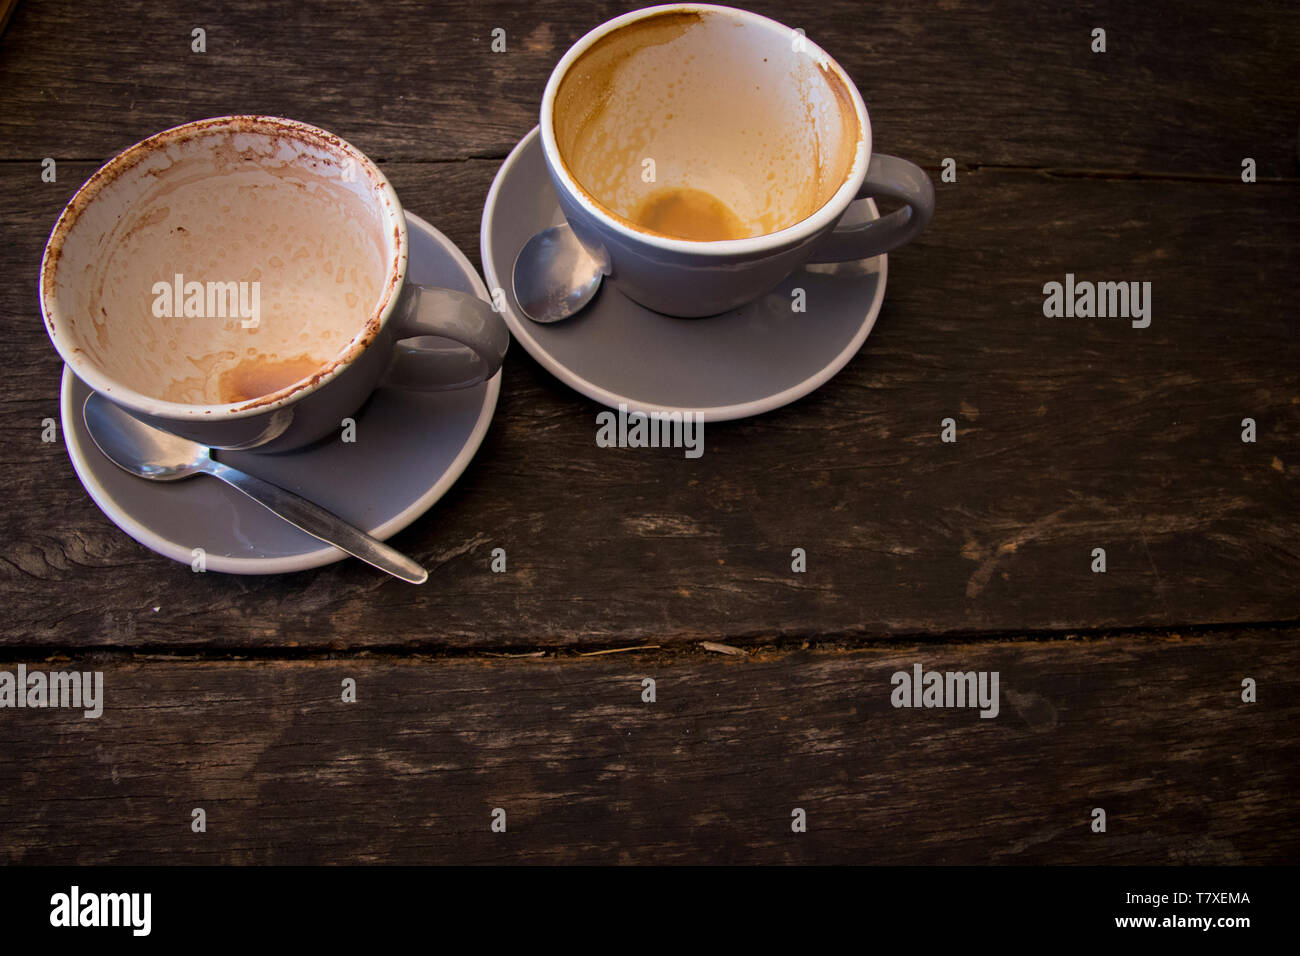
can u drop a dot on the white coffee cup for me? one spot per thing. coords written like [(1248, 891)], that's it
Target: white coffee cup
[(690, 115), (304, 222)]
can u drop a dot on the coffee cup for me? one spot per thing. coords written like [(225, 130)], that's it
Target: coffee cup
[(241, 281), (703, 153)]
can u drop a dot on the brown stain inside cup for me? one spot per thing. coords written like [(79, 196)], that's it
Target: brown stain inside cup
[(257, 380), (586, 87), (684, 212), (257, 376), (582, 100)]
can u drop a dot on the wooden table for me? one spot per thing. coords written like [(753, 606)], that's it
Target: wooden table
[(523, 690)]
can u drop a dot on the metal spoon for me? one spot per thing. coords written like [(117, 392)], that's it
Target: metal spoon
[(161, 456), (554, 275)]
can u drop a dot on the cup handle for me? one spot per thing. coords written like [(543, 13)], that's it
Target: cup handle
[(464, 319), (891, 178)]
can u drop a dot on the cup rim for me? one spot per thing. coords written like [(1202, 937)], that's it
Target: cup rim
[(56, 324), (823, 218)]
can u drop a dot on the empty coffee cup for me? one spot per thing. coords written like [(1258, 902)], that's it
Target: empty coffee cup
[(241, 281), (704, 153)]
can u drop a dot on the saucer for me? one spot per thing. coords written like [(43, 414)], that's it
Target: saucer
[(410, 448), (740, 363)]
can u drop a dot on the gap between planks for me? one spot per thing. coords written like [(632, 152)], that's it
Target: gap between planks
[(691, 649)]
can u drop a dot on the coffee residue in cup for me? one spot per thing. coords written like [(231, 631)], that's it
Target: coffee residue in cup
[(684, 212), (245, 247), (708, 100), (261, 375)]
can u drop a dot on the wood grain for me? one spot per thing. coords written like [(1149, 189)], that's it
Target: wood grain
[(1072, 434), (1151, 729), (1183, 88)]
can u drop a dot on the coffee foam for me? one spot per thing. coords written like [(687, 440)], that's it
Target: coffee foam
[(722, 105), (225, 207)]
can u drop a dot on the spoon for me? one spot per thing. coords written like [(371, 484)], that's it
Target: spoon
[(161, 456), (554, 276)]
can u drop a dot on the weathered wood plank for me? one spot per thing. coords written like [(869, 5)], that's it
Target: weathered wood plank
[(1073, 434), (1150, 729), (1184, 87)]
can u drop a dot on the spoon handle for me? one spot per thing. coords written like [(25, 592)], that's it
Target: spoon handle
[(319, 523)]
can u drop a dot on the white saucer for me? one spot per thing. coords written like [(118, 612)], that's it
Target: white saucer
[(741, 363), (410, 448)]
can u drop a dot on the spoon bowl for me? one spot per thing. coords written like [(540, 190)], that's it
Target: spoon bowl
[(555, 276), (139, 448)]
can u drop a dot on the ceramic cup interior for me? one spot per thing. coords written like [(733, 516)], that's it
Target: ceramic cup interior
[(706, 124), (224, 263)]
